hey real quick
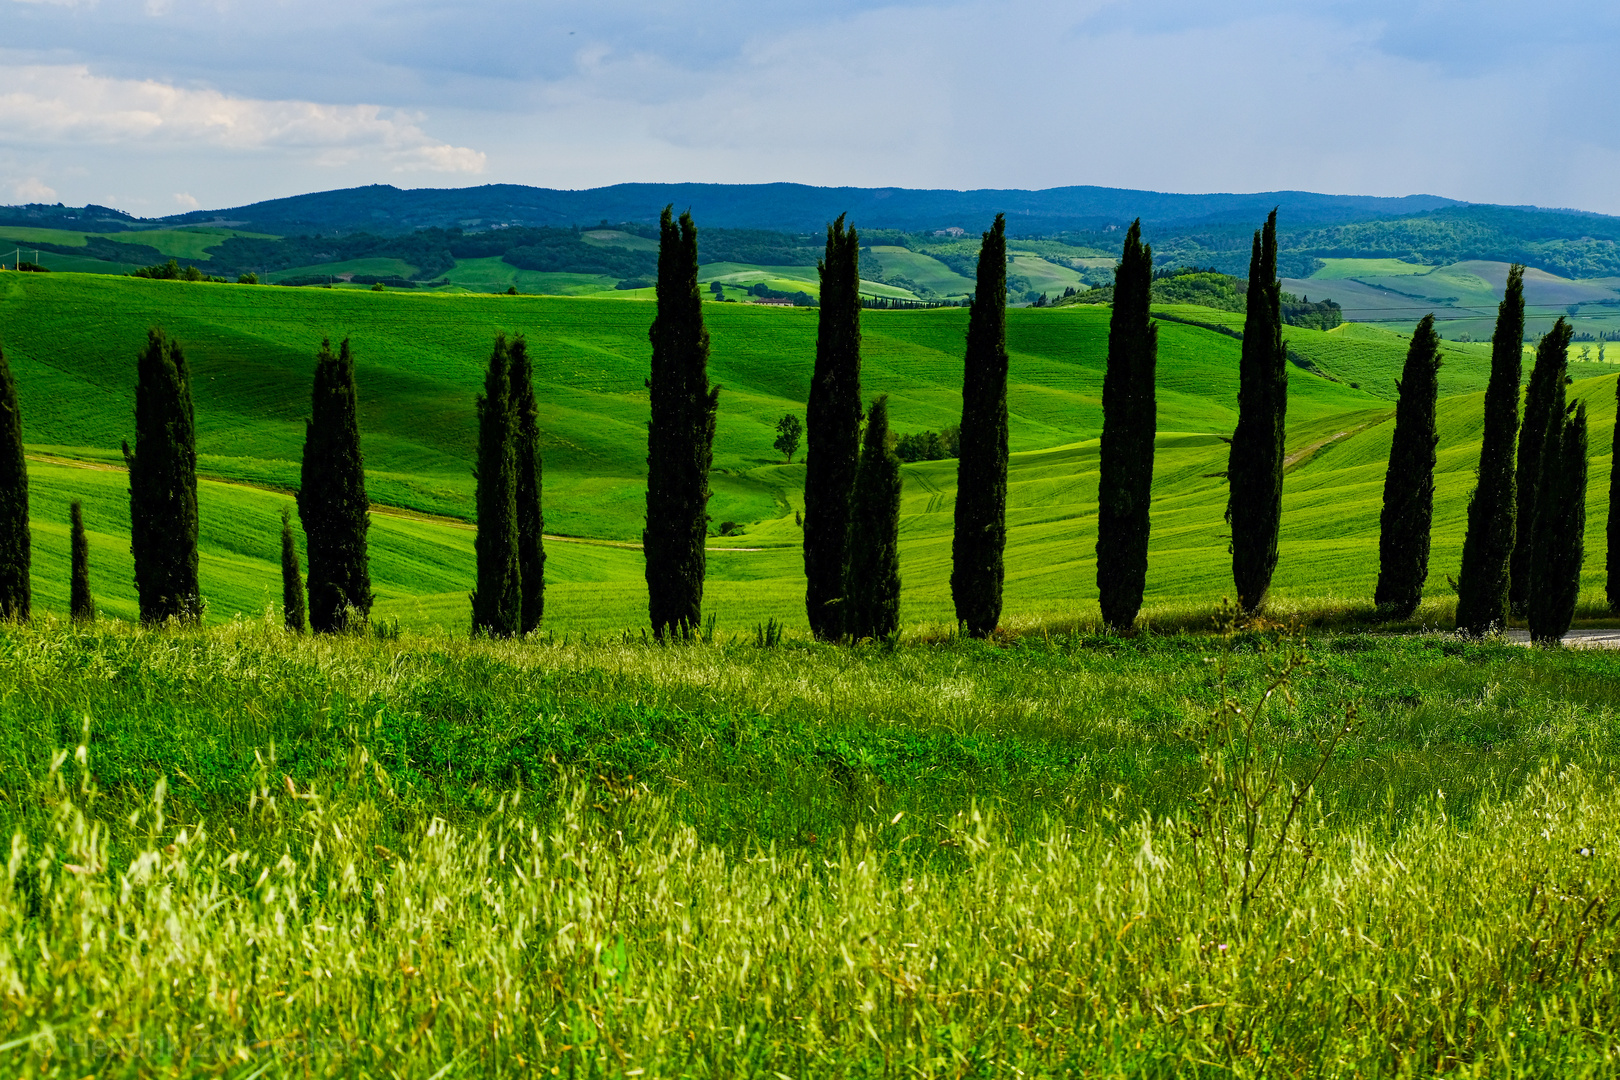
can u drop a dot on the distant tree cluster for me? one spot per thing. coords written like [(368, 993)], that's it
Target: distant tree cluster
[(929, 445), (172, 271)]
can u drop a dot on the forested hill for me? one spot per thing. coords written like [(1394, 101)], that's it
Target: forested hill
[(790, 207)]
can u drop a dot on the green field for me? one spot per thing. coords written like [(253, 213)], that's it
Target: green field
[(257, 855), (242, 853), (72, 339)]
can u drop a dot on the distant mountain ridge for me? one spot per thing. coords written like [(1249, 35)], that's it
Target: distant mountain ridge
[(382, 208), (793, 207)]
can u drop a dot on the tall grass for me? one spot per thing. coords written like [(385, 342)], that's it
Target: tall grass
[(270, 856)]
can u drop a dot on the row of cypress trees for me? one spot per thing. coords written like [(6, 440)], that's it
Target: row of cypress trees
[(1527, 516)]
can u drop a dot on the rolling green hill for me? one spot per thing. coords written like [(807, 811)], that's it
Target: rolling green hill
[(72, 339)]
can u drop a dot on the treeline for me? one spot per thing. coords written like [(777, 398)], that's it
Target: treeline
[(1212, 289), (433, 252), (1522, 552)]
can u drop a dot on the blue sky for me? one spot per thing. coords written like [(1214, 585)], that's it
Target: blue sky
[(160, 105)]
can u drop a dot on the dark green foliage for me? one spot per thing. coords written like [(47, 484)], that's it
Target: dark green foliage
[(163, 485), (292, 581), (497, 596), (1482, 583), (981, 468), (1255, 465), (332, 501), (1403, 539), (789, 430), (1130, 422), (530, 519), (1613, 524), (81, 605), (930, 445), (15, 547), (832, 450), (1543, 403), (680, 437), (874, 534), (1560, 526)]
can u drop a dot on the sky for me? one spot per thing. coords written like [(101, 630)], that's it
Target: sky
[(159, 106)]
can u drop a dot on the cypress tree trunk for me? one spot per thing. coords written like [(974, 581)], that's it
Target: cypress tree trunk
[(833, 434), (981, 468), (680, 437), (332, 499), (1560, 528), (16, 597), (530, 520), (1543, 404), (292, 582), (1255, 465), (1403, 540), (874, 544), (163, 485), (1130, 422), (1482, 583), (497, 598), (1613, 525), (81, 605)]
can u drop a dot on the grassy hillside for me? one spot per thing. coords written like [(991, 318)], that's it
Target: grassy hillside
[(72, 341)]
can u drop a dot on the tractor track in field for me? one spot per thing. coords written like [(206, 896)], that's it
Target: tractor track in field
[(376, 508)]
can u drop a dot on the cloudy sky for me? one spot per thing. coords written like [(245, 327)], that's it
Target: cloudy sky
[(155, 106)]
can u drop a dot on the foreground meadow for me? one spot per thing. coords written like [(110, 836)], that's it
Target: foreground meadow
[(241, 854)]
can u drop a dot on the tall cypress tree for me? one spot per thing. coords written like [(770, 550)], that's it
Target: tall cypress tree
[(1130, 422), (1403, 539), (981, 467), (1482, 583), (332, 499), (292, 581), (1255, 464), (16, 598), (1543, 404), (874, 543), (1613, 524), (833, 420), (81, 605), (531, 521), (1559, 528), (680, 437), (163, 485), (498, 595)]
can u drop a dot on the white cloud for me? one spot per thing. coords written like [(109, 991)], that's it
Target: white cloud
[(32, 190), (187, 201), (51, 104)]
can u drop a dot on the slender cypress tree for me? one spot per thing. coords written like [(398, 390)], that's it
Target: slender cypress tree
[(680, 437), (874, 542), (81, 605), (1543, 404), (15, 549), (498, 595), (981, 467), (292, 581), (1613, 525), (1560, 527), (531, 521), (163, 485), (1255, 464), (1130, 422), (1403, 539), (1482, 583), (332, 501), (833, 438)]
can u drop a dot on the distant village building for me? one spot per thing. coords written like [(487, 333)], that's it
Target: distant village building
[(954, 230), (773, 303)]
